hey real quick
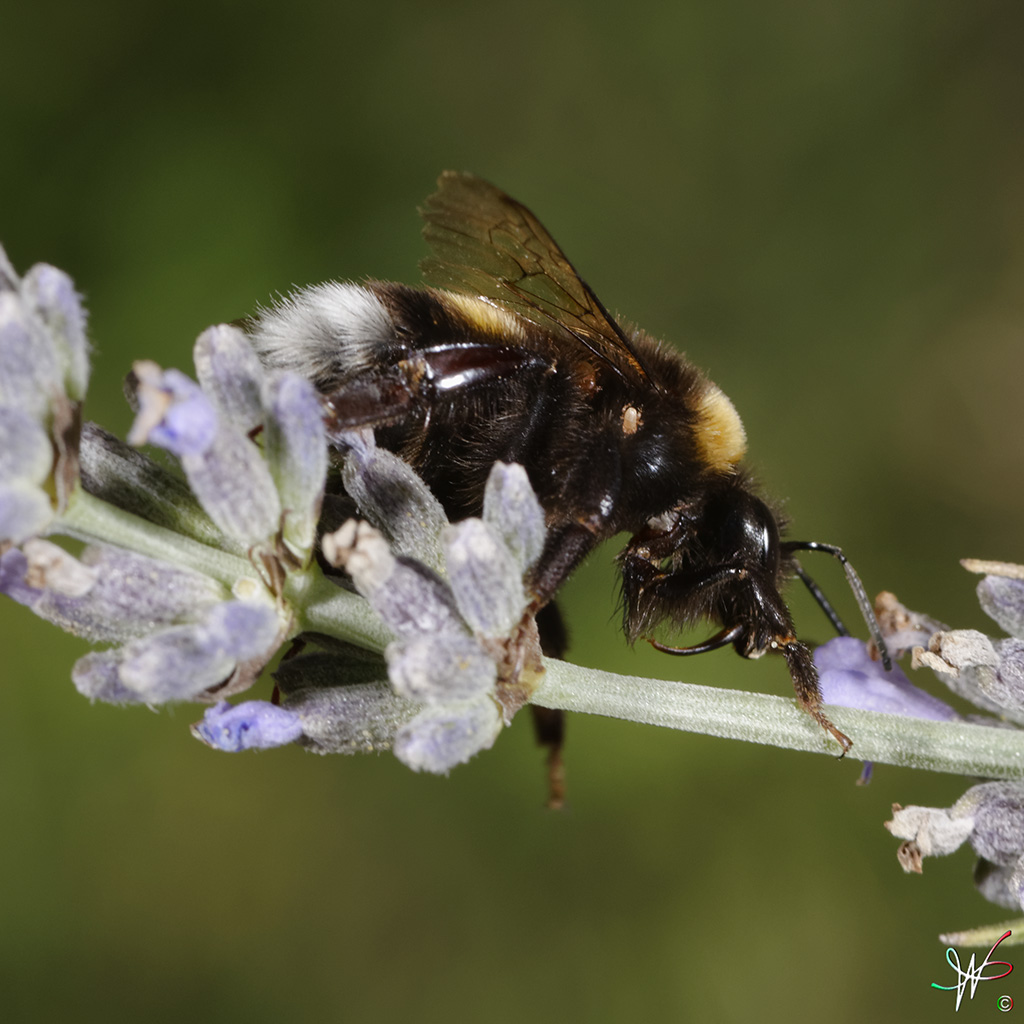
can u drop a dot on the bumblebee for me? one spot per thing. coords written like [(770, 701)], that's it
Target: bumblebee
[(508, 355)]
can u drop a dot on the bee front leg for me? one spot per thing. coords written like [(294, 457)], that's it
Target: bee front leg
[(375, 399)]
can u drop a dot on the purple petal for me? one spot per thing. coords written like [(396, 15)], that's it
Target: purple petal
[(849, 678), (173, 412), (253, 724)]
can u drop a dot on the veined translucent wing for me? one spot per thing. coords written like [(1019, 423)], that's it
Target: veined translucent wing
[(486, 244)]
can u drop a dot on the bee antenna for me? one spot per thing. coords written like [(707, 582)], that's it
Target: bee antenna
[(863, 601)]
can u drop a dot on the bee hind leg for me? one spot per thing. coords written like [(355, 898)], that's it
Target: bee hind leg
[(549, 723)]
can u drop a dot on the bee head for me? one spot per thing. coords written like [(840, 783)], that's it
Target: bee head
[(720, 560), (739, 538)]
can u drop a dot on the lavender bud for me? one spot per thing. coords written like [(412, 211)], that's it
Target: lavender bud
[(26, 452), (25, 511), (511, 509), (997, 883), (51, 295), (443, 736), (442, 667), (485, 578), (129, 595), (234, 486), (41, 573), (392, 497), (929, 831), (224, 468), (902, 628), (8, 278), (49, 567), (126, 478), (998, 813), (30, 374), (1016, 884), (180, 662), (1002, 599), (295, 445), (973, 667), (97, 676), (406, 595), (346, 705), (231, 375)]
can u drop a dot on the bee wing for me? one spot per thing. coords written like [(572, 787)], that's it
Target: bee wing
[(486, 244)]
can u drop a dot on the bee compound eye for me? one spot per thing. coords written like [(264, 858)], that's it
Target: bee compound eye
[(747, 531)]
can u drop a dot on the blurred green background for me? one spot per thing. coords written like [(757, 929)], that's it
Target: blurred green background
[(821, 203)]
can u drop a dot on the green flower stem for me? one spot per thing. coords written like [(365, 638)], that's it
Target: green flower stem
[(324, 607), (957, 747), (987, 935), (91, 519)]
